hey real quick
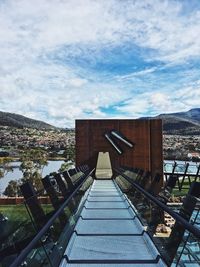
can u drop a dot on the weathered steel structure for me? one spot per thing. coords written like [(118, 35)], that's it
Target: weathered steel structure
[(146, 136)]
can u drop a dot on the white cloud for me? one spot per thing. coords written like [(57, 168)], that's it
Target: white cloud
[(41, 26), (77, 82), (136, 74), (34, 33), (154, 103)]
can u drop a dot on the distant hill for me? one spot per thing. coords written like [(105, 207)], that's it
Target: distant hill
[(19, 121), (182, 123)]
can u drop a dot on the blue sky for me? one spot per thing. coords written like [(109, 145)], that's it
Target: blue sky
[(62, 60)]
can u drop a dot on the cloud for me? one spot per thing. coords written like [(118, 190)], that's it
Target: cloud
[(154, 103), (41, 26), (67, 59), (136, 74)]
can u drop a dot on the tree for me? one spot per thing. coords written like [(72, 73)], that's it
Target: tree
[(5, 166), (12, 189), (195, 159), (69, 153), (32, 165), (66, 166)]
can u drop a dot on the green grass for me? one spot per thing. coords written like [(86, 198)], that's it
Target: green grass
[(14, 212), (184, 190), (19, 212)]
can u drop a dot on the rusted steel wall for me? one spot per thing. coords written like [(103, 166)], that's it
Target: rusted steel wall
[(146, 134)]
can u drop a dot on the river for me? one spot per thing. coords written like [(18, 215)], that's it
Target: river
[(53, 166)]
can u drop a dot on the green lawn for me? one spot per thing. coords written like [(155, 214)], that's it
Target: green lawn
[(19, 212), (184, 190), (14, 212)]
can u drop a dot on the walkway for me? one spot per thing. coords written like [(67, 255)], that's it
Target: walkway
[(108, 233)]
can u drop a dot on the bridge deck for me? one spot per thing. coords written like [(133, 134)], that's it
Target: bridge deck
[(109, 233)]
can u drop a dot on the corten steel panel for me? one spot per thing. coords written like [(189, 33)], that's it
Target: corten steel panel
[(137, 131), (97, 141), (156, 151), (146, 134), (83, 141)]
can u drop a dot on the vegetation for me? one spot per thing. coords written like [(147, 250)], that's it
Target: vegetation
[(33, 162), (69, 153), (32, 165), (4, 166), (66, 166), (17, 225), (12, 189), (184, 190), (182, 123), (19, 212), (15, 120), (15, 212)]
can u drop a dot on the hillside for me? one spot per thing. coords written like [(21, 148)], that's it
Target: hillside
[(181, 123), (19, 121)]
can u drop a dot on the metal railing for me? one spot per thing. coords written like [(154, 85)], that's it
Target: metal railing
[(40, 235), (22, 256), (183, 173), (171, 229), (194, 230)]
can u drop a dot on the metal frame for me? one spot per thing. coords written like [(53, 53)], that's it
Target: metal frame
[(116, 147), (22, 256), (194, 230), (122, 138), (191, 228)]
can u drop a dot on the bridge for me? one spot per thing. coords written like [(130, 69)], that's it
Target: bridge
[(108, 212), (109, 231)]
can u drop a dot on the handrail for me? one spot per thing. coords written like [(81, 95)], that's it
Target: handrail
[(44, 189), (194, 230), (39, 235), (185, 243)]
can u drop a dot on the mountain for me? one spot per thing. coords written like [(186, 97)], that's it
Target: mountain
[(19, 121), (181, 123), (192, 115)]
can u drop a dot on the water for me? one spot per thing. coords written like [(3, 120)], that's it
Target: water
[(53, 166), (180, 168), (16, 174)]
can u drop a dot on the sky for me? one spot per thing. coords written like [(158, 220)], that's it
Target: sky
[(62, 60)]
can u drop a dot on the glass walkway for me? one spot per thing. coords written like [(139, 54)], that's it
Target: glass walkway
[(105, 222), (109, 231)]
